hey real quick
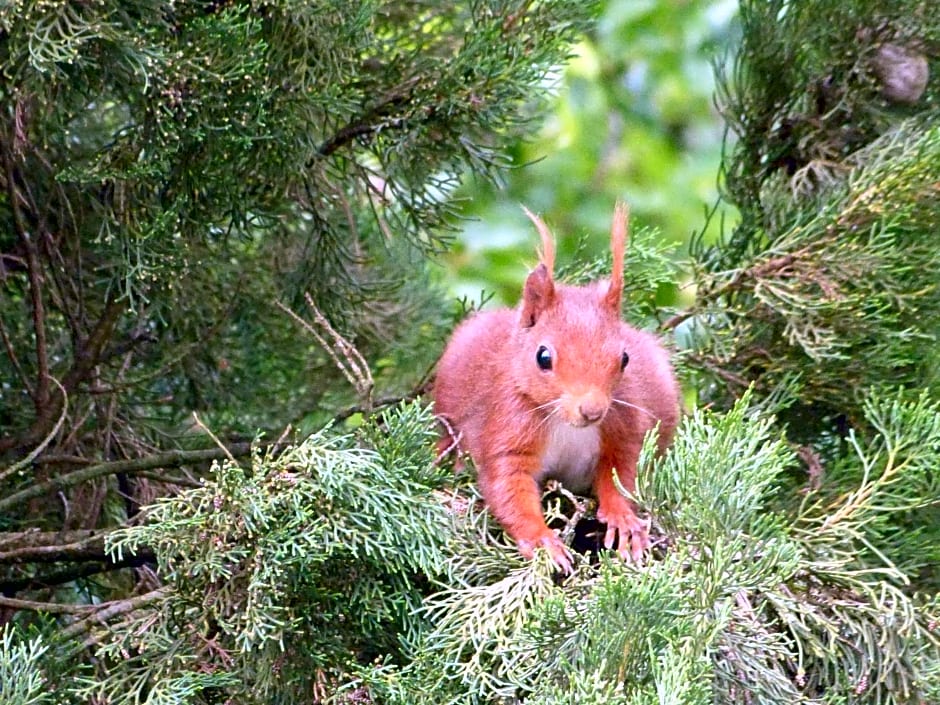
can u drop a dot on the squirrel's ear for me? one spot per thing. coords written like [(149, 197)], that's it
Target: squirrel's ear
[(537, 296), (613, 295)]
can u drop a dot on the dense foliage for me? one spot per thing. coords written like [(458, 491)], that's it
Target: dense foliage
[(827, 296), (217, 219)]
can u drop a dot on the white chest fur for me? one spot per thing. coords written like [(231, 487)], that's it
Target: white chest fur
[(571, 456)]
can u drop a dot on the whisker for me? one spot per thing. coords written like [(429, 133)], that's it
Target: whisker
[(552, 403), (550, 415), (638, 408)]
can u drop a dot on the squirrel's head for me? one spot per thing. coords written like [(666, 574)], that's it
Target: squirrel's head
[(572, 348)]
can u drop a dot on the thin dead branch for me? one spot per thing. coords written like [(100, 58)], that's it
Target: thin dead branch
[(344, 354)]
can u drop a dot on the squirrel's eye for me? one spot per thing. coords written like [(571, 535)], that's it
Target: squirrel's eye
[(624, 359), (543, 358)]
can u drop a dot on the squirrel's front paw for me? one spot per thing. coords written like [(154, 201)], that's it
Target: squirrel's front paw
[(556, 548), (626, 532)]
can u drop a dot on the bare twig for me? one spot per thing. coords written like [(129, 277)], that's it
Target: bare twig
[(48, 607), (344, 354), (352, 363), (52, 546), (454, 436), (211, 435), (45, 442)]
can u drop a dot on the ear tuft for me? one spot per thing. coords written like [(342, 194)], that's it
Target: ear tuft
[(618, 240), (547, 251)]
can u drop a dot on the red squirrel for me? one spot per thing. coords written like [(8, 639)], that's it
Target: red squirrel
[(558, 388)]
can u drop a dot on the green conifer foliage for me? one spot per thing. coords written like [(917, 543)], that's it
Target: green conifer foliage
[(280, 573), (829, 283), (20, 669), (742, 603), (172, 169), (826, 295)]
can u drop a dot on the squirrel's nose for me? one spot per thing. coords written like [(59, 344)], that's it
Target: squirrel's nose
[(591, 412)]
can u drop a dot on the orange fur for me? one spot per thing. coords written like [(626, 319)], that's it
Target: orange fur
[(618, 243), (580, 421), (547, 252)]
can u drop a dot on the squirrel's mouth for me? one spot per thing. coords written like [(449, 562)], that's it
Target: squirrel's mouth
[(582, 423)]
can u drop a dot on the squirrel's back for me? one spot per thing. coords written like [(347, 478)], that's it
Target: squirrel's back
[(469, 371)]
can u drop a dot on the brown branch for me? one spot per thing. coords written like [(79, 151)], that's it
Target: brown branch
[(84, 362), (673, 323), (135, 339), (379, 403), (169, 480), (89, 353), (41, 398), (48, 607), (33, 270), (774, 267), (66, 276), (31, 229), (52, 546), (344, 136), (116, 608), (173, 458), (51, 459), (75, 571), (373, 120)]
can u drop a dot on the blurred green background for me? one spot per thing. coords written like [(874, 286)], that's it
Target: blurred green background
[(632, 117)]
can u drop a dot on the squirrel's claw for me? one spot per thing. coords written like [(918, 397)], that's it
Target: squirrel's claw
[(556, 548), (627, 534)]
